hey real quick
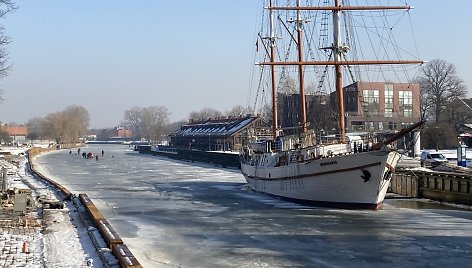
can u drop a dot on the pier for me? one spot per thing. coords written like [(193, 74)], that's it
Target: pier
[(440, 186)]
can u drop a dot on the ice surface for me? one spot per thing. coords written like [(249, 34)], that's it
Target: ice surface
[(179, 214)]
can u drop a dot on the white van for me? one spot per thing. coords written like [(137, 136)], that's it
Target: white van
[(432, 159)]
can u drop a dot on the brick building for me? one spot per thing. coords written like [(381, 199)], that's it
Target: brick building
[(380, 106), (369, 106), (17, 133)]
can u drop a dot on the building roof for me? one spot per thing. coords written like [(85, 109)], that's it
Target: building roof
[(15, 130), (467, 126), (215, 127), (467, 102)]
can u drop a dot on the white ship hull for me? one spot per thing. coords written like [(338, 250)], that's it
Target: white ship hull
[(350, 181)]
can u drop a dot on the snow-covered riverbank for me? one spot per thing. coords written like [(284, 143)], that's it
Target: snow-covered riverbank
[(50, 237)]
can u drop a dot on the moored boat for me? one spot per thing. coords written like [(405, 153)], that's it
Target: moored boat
[(300, 167)]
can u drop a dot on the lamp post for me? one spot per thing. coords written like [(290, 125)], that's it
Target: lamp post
[(209, 144)]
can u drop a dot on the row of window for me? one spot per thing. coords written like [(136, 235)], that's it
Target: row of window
[(371, 102), (370, 125)]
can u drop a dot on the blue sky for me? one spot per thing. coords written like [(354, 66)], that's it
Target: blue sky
[(110, 56)]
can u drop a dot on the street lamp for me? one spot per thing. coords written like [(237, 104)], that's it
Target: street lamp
[(209, 144)]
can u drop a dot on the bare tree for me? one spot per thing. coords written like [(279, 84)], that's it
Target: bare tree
[(174, 126), (6, 6), (266, 113), (148, 122), (154, 120), (458, 113), (133, 120), (205, 114), (53, 126), (68, 125), (76, 121), (239, 110), (36, 128), (288, 85), (439, 85), (5, 137), (440, 135)]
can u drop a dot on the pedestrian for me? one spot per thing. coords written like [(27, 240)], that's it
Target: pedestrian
[(103, 152), (96, 157)]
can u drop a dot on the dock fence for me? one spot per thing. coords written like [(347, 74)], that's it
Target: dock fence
[(440, 186)]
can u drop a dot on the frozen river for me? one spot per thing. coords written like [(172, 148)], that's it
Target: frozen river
[(178, 214)]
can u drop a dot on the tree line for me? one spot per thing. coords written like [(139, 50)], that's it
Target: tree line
[(151, 123), (66, 126), (440, 86), (438, 80)]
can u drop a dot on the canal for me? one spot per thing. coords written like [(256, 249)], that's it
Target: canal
[(179, 214)]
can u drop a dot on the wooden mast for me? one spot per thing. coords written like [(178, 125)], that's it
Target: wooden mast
[(338, 73), (299, 25), (272, 70)]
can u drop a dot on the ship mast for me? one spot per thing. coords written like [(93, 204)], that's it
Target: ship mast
[(338, 62), (272, 71), (338, 72), (299, 24)]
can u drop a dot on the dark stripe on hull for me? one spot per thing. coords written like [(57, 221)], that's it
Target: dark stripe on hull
[(342, 205), (313, 174)]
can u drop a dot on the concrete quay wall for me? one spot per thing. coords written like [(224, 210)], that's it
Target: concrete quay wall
[(439, 186), (114, 242)]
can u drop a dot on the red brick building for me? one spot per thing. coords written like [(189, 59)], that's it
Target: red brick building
[(17, 133), (379, 106)]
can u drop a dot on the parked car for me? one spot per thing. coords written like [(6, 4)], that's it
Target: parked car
[(432, 159)]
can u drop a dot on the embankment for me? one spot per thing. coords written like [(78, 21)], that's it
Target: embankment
[(113, 241)]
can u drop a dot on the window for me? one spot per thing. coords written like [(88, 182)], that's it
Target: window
[(405, 99), (405, 125), (371, 101), (357, 125), (388, 100)]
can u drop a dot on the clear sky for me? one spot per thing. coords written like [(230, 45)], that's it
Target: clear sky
[(112, 55)]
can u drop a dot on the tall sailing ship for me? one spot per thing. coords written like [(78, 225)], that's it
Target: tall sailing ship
[(300, 167)]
